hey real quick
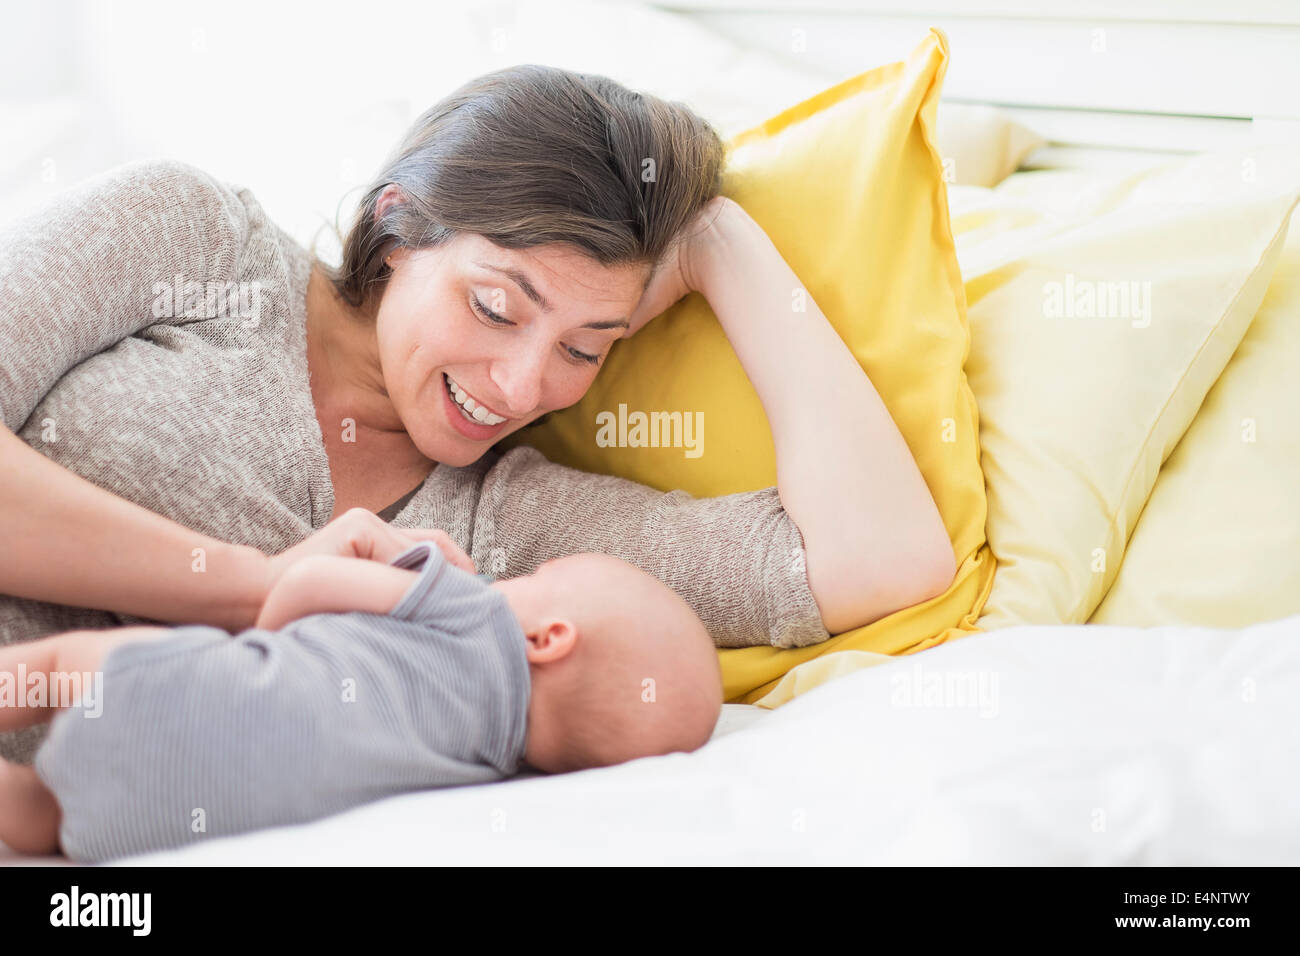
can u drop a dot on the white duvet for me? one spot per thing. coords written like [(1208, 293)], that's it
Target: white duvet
[(1029, 745)]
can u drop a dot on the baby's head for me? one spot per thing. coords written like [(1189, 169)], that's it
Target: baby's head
[(621, 666)]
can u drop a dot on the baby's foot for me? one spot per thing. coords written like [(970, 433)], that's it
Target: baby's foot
[(29, 814)]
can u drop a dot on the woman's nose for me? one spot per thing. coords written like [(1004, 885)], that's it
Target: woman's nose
[(519, 380)]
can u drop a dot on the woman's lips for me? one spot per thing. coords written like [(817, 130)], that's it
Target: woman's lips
[(471, 403), (470, 429)]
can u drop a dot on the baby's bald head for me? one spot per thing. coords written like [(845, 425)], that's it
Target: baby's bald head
[(621, 666)]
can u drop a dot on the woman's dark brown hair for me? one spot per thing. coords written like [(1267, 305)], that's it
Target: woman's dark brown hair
[(534, 154)]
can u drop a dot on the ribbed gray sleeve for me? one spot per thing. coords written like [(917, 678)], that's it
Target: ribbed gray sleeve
[(203, 735)]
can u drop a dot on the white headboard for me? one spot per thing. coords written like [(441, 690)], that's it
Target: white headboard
[(1103, 80)]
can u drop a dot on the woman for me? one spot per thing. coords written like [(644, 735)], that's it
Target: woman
[(192, 402)]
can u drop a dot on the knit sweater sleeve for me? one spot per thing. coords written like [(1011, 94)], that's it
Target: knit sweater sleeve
[(100, 262), (737, 559)]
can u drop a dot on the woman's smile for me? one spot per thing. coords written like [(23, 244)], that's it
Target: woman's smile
[(467, 416)]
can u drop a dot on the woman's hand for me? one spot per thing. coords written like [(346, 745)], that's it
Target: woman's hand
[(358, 533), (677, 273)]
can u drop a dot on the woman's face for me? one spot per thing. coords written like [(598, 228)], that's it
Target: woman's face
[(519, 333)]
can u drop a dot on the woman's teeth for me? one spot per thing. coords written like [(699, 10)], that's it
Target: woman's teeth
[(468, 407)]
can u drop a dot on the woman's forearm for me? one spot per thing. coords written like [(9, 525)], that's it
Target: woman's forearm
[(68, 541), (874, 538)]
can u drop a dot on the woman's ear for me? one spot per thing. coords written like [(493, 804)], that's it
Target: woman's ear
[(391, 195), (396, 257)]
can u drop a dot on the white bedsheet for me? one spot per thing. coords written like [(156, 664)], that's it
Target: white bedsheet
[(1070, 745), (1089, 745)]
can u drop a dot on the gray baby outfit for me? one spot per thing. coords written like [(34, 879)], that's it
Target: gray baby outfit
[(201, 734)]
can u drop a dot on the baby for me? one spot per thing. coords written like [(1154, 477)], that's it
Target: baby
[(359, 681)]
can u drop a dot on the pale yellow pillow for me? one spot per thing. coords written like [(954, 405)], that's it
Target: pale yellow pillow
[(1216, 544), (1102, 310), (981, 145)]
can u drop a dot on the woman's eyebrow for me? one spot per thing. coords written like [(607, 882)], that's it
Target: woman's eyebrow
[(530, 290)]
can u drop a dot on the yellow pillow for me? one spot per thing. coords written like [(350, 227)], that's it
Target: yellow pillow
[(1102, 310), (849, 186), (1216, 543)]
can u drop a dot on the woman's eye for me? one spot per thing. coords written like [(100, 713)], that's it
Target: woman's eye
[(487, 314), (495, 319)]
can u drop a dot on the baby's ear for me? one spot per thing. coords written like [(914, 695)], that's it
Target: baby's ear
[(552, 641)]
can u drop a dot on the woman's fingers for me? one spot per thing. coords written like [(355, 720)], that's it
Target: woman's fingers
[(450, 550), (676, 275), (666, 287), (372, 537), (358, 533)]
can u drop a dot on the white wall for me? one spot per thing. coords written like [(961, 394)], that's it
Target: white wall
[(302, 101), (1152, 75)]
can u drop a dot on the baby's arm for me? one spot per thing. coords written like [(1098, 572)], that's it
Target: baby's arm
[(327, 584), (324, 584)]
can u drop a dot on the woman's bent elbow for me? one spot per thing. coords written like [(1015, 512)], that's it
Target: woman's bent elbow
[(929, 578), (910, 583), (924, 583), (941, 576)]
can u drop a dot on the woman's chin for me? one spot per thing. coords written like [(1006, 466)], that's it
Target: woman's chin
[(456, 450)]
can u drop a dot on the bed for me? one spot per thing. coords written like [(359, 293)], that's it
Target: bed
[(1029, 745), (1155, 724)]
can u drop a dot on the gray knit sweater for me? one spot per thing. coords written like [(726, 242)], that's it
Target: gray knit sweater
[(131, 355)]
